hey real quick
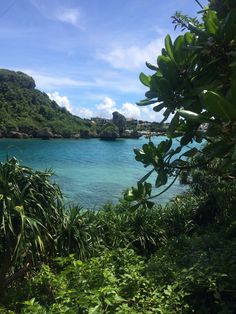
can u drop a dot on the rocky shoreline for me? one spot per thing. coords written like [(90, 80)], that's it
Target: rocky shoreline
[(50, 136)]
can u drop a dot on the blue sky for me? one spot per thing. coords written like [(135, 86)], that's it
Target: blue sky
[(87, 55)]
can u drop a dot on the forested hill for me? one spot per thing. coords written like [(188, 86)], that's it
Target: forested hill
[(28, 112)]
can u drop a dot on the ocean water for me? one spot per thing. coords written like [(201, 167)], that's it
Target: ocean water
[(89, 171)]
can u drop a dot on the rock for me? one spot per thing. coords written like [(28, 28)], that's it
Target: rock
[(85, 134), (119, 120), (57, 136), (76, 136), (131, 134), (14, 134), (44, 134)]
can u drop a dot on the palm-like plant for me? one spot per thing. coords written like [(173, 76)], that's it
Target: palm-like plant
[(30, 215), (79, 234)]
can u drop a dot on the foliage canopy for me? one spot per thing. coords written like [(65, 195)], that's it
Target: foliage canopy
[(194, 82)]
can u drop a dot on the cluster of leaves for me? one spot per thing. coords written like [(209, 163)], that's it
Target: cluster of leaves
[(195, 81), (26, 109)]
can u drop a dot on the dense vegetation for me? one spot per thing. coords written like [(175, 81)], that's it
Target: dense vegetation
[(27, 110), (179, 258), (139, 257)]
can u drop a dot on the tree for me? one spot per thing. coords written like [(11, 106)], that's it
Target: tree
[(110, 132), (194, 80)]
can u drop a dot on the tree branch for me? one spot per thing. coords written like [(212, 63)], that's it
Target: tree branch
[(167, 188), (198, 2)]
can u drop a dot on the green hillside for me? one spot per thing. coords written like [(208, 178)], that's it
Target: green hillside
[(25, 109)]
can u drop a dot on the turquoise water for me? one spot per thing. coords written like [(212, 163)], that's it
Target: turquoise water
[(89, 171)]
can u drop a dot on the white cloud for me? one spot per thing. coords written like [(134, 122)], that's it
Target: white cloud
[(62, 101), (71, 16), (133, 57), (60, 13), (130, 110), (49, 82), (83, 112), (106, 108)]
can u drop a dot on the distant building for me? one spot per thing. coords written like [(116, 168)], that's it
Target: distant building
[(100, 120)]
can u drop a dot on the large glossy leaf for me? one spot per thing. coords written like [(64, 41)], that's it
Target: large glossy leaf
[(189, 115), (146, 102), (219, 106), (164, 88), (179, 51), (169, 47), (164, 146), (168, 69), (152, 66), (161, 178), (211, 22), (151, 94), (145, 79), (189, 38), (144, 178), (191, 152), (159, 107)]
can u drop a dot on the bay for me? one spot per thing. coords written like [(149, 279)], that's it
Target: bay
[(89, 171)]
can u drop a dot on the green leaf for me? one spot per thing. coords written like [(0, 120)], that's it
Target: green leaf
[(179, 52), (146, 102), (146, 176), (152, 66), (187, 138), (145, 79), (166, 115), (168, 69), (189, 115), (151, 94), (164, 146), (192, 152), (161, 178), (211, 22), (169, 47), (159, 107), (189, 38), (219, 106), (173, 125)]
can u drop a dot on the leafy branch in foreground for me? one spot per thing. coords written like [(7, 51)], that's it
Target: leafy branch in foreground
[(195, 84)]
